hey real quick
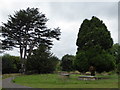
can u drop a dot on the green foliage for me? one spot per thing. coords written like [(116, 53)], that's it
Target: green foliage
[(26, 26), (118, 54), (94, 41), (103, 62), (93, 32), (42, 60), (118, 68), (67, 62), (115, 50), (55, 62), (81, 62), (27, 29), (7, 65), (100, 59), (10, 64)]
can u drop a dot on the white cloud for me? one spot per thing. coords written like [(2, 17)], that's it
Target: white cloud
[(67, 43), (67, 16), (7, 8), (112, 25)]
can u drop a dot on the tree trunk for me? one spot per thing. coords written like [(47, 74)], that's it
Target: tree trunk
[(22, 61)]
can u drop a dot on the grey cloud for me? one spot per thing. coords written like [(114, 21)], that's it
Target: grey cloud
[(119, 22), (73, 11), (77, 12), (67, 44), (67, 13)]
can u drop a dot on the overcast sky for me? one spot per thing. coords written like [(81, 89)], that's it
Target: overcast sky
[(68, 16)]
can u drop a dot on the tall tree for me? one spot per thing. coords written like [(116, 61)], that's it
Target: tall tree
[(94, 41), (93, 32), (26, 29)]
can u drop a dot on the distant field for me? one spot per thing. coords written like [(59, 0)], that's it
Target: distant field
[(57, 81)]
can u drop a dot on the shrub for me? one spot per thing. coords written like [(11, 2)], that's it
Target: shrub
[(67, 63), (10, 64), (81, 62), (100, 59), (118, 69), (42, 61)]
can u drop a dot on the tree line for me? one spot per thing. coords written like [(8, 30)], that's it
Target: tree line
[(10, 64), (27, 30), (42, 61), (110, 62)]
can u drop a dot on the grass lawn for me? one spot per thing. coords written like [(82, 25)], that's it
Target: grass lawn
[(57, 81)]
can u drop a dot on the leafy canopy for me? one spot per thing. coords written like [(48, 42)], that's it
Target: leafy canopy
[(67, 62), (93, 32), (27, 29), (42, 60), (10, 64), (94, 41)]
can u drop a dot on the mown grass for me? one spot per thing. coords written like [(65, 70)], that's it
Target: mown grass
[(57, 81)]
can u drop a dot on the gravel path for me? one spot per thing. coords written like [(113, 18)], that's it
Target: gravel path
[(7, 83)]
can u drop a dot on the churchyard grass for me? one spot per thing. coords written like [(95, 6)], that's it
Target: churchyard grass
[(58, 81)]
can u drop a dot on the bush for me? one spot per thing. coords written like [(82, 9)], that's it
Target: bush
[(41, 65), (42, 61), (100, 59), (118, 69), (103, 62), (10, 64), (67, 63), (81, 62)]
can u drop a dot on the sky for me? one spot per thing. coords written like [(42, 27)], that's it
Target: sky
[(68, 16)]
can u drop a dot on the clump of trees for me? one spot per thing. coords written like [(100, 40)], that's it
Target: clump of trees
[(94, 41), (42, 61), (10, 64), (26, 30), (67, 63), (115, 51), (100, 59)]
